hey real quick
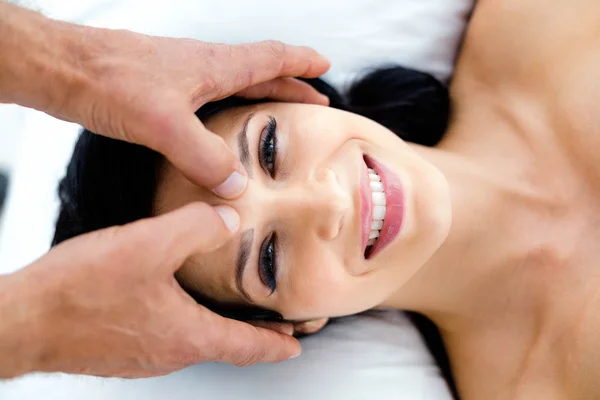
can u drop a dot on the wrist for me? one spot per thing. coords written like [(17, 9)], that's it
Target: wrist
[(39, 67), (21, 326)]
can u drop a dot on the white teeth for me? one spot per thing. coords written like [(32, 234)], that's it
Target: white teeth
[(376, 225), (378, 212), (376, 186), (374, 177), (378, 198)]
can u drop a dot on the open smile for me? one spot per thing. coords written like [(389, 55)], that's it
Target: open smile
[(382, 207)]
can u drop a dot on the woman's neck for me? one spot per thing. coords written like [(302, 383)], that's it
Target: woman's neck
[(476, 272)]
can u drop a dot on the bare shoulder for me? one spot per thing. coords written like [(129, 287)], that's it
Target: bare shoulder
[(516, 42), (536, 63)]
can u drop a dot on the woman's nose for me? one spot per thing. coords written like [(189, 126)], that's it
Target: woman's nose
[(321, 204)]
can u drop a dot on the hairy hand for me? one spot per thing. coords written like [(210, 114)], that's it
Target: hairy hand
[(107, 303), (145, 90)]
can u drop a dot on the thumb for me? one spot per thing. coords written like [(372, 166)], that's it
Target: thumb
[(242, 344), (203, 157), (193, 229)]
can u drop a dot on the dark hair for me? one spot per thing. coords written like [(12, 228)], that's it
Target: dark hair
[(109, 182)]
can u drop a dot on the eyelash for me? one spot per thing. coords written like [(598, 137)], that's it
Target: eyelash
[(268, 144), (267, 155), (268, 262)]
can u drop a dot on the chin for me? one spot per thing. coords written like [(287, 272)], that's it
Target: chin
[(428, 222)]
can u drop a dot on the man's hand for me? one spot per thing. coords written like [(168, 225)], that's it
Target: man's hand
[(107, 304), (145, 89)]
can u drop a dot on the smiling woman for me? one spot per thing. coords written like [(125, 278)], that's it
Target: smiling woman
[(307, 213), (308, 203), (489, 226)]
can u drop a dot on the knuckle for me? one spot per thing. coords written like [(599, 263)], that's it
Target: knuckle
[(244, 77), (247, 358), (275, 47), (184, 359), (210, 86)]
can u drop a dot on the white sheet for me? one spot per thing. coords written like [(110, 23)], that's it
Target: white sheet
[(374, 356)]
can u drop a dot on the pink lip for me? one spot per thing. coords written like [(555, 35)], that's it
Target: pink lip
[(366, 206), (394, 213)]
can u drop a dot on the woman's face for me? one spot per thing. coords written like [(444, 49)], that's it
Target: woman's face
[(307, 212)]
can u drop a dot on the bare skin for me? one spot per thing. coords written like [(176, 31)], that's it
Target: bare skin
[(511, 282), (513, 286), (522, 321), (107, 303)]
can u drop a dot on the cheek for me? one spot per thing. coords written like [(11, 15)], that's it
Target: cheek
[(320, 286), (320, 135)]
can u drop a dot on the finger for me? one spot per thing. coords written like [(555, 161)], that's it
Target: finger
[(242, 344), (254, 63), (273, 58), (286, 89), (193, 229), (280, 327), (200, 155)]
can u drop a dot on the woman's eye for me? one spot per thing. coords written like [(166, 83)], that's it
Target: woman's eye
[(267, 263), (267, 149)]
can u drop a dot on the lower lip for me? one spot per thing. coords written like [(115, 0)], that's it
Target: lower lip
[(394, 209)]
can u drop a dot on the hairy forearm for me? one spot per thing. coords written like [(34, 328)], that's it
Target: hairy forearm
[(38, 67)]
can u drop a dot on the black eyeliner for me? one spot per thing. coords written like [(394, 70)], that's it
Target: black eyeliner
[(267, 148), (267, 262), (267, 156)]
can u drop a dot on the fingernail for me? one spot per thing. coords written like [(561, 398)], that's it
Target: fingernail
[(294, 356), (233, 186), (229, 216), (325, 100)]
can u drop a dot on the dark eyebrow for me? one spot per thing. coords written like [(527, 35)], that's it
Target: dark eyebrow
[(242, 261), (242, 139)]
